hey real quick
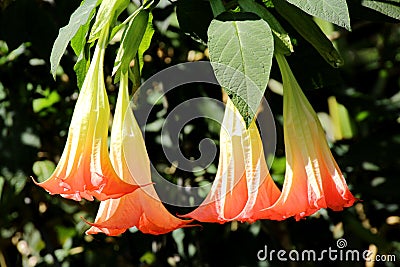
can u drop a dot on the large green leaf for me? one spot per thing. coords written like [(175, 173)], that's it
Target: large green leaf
[(334, 11), (78, 18), (146, 40), (241, 55), (131, 40), (309, 30), (78, 42), (82, 50), (282, 39), (390, 8), (358, 11)]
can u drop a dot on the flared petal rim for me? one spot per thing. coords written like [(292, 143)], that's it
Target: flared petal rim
[(243, 185), (313, 179), (85, 170), (142, 208)]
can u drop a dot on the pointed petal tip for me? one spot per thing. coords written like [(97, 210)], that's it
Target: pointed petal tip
[(33, 180)]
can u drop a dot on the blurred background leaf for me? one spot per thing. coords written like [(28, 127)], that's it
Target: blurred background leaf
[(37, 229)]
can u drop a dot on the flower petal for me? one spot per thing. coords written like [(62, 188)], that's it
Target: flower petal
[(141, 208), (313, 179), (85, 170), (262, 190), (242, 185)]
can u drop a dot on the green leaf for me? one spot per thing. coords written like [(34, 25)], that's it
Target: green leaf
[(108, 12), (43, 169), (47, 101), (217, 7), (341, 119), (309, 30), (81, 66), (334, 11), (146, 40), (241, 55), (281, 38), (131, 40), (82, 50), (78, 42), (78, 18), (148, 258), (390, 8)]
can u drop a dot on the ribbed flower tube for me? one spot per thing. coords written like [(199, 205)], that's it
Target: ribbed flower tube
[(142, 208), (313, 179), (242, 185), (85, 170)]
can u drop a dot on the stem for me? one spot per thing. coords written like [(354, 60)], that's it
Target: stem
[(135, 75), (131, 16)]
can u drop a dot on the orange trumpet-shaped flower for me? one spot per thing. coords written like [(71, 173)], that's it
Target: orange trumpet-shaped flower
[(313, 179), (242, 185), (141, 208), (85, 170)]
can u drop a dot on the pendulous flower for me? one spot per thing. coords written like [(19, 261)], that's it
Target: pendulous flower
[(85, 170), (313, 179), (141, 208), (243, 185)]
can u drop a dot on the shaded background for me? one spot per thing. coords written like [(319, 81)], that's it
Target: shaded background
[(37, 229)]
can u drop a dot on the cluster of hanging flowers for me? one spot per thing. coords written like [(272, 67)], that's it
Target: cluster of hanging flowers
[(243, 189)]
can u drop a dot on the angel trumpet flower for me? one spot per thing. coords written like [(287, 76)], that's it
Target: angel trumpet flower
[(141, 208), (313, 179), (242, 185), (85, 170)]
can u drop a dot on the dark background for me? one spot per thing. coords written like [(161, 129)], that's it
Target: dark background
[(37, 229)]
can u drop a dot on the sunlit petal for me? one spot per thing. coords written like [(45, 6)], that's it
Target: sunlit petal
[(85, 170), (313, 180), (141, 208), (262, 191), (242, 185)]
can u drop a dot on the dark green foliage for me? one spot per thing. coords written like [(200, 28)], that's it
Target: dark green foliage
[(43, 230)]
